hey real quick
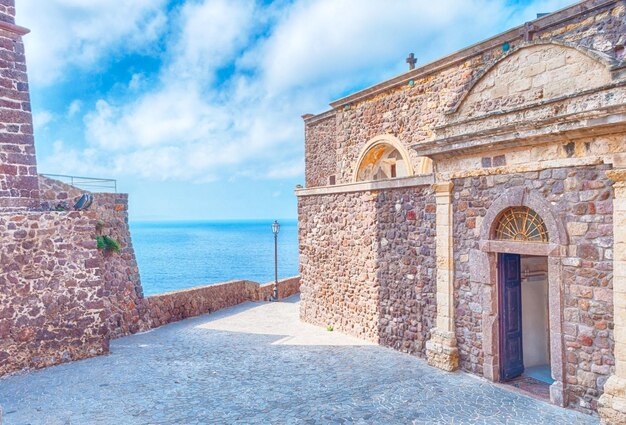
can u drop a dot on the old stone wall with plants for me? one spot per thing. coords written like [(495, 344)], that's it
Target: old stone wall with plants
[(582, 198), (367, 263), (51, 304), (67, 293), (121, 284)]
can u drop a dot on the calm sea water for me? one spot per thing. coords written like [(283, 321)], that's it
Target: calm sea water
[(178, 255)]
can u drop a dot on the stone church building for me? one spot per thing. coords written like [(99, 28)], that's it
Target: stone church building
[(472, 211)]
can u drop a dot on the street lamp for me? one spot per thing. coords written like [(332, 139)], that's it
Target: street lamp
[(275, 230)]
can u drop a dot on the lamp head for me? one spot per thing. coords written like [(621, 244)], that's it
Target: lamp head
[(275, 227)]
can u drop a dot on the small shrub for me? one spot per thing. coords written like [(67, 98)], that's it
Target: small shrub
[(329, 328), (107, 243)]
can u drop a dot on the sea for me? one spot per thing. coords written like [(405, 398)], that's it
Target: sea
[(179, 255)]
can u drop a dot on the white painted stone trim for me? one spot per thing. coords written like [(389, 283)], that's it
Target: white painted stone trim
[(400, 183)]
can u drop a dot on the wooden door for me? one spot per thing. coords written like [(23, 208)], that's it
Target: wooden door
[(510, 285)]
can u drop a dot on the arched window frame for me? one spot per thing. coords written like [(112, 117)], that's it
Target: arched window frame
[(394, 142), (521, 224)]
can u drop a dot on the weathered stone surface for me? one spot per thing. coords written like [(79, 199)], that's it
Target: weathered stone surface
[(588, 316), (171, 307), (258, 364), (18, 166), (535, 116), (51, 306), (65, 299), (441, 351), (612, 404), (368, 265)]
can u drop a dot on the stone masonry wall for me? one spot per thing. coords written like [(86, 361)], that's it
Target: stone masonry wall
[(368, 265), (320, 161), (51, 306), (338, 263), (173, 306), (121, 283), (414, 113), (120, 272), (582, 198), (18, 166)]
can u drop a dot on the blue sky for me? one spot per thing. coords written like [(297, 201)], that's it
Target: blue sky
[(195, 106)]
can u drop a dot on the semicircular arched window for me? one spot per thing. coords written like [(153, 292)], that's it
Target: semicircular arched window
[(382, 161), (521, 224)]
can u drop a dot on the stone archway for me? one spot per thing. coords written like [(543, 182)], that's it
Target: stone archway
[(384, 157), (484, 271)]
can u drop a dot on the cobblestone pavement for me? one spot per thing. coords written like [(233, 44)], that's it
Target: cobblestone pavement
[(256, 363)]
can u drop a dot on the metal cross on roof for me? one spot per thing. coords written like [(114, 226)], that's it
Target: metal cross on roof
[(411, 60)]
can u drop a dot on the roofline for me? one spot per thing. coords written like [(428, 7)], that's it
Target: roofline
[(552, 19)]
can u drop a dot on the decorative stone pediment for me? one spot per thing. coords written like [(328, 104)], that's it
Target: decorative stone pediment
[(531, 74), (536, 93)]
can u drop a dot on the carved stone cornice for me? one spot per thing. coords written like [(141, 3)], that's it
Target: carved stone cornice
[(12, 28)]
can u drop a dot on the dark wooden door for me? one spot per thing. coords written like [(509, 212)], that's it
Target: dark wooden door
[(510, 284)]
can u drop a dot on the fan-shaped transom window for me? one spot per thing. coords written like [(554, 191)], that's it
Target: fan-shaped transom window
[(381, 162), (521, 224)]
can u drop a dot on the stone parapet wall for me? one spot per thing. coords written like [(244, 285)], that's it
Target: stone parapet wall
[(286, 288), (367, 262), (170, 307), (51, 305)]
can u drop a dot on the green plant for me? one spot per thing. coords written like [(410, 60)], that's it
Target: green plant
[(329, 328), (107, 243)]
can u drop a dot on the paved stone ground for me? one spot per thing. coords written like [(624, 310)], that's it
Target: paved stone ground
[(256, 363)]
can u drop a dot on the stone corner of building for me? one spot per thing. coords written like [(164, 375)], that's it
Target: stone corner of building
[(612, 404), (442, 351)]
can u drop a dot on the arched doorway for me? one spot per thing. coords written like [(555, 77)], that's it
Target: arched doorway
[(521, 245), (523, 302)]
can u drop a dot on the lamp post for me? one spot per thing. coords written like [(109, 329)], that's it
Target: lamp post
[(275, 230)]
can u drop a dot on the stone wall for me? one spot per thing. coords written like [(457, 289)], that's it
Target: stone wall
[(540, 107), (18, 166), (120, 273), (321, 144), (66, 299), (415, 112), (51, 306), (367, 263), (173, 306), (582, 198), (121, 284)]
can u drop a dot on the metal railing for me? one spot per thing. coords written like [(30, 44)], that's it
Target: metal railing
[(90, 184)]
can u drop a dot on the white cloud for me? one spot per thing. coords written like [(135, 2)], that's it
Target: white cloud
[(65, 159), (74, 108), (238, 75), (41, 119), (83, 33), (210, 35)]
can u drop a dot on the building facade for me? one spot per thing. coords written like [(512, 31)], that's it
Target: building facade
[(471, 211)]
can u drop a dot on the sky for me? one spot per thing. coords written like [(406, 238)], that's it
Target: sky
[(194, 106)]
